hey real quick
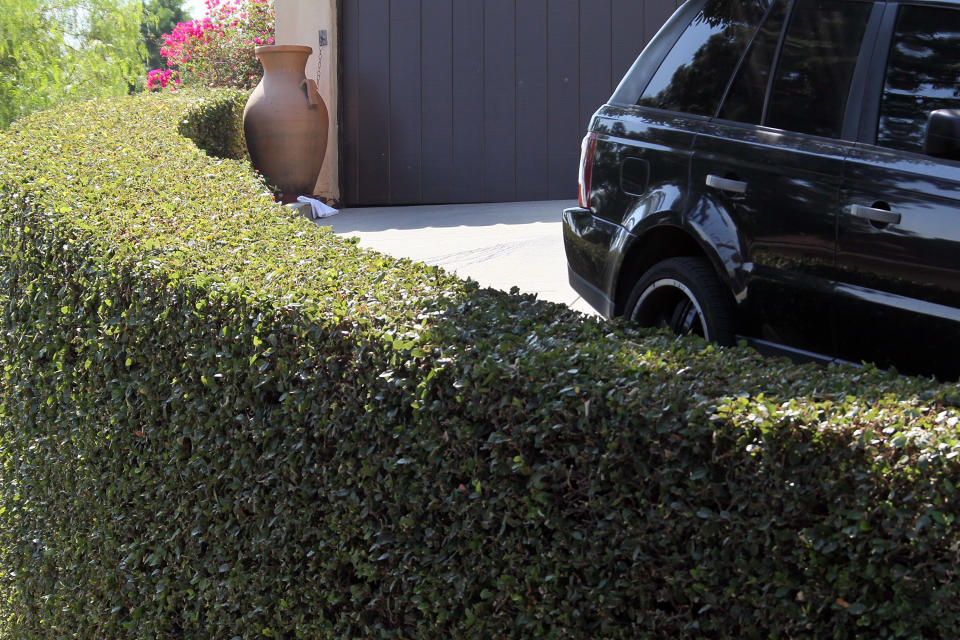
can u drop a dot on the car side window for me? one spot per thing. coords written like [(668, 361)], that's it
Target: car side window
[(816, 66), (694, 75), (923, 74), (744, 101)]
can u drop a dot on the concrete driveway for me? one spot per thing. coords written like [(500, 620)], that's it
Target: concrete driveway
[(499, 245)]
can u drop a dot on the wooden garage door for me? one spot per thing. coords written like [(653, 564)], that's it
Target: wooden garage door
[(478, 100)]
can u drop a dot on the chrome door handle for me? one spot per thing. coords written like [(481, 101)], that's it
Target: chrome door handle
[(726, 184), (876, 215)]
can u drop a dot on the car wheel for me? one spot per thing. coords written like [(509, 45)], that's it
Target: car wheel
[(686, 296)]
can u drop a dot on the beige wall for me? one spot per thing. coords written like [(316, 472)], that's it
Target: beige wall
[(298, 22)]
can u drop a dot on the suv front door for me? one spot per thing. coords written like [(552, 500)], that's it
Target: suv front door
[(899, 233)]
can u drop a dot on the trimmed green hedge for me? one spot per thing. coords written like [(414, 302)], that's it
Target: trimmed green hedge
[(216, 124), (220, 421)]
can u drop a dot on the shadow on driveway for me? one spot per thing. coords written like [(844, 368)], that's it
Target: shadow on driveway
[(448, 215), (499, 245)]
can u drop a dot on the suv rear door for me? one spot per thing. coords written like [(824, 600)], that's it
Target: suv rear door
[(901, 270), (770, 165), (644, 144)]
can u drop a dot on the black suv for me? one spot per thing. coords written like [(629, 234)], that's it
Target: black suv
[(784, 171)]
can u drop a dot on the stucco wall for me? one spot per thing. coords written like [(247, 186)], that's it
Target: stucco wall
[(298, 22)]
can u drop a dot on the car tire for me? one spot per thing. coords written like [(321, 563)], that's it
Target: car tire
[(686, 296)]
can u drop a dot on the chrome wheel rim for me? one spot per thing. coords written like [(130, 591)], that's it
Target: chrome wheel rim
[(669, 304)]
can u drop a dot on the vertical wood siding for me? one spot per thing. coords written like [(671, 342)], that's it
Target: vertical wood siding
[(478, 100)]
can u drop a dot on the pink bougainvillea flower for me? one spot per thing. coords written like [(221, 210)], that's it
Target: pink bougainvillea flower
[(217, 49)]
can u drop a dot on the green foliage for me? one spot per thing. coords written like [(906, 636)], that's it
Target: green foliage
[(159, 17), (216, 124), (54, 51), (220, 421)]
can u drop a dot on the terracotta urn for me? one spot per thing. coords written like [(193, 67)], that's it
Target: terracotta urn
[(285, 122)]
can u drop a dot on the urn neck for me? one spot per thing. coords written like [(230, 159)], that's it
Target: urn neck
[(283, 58)]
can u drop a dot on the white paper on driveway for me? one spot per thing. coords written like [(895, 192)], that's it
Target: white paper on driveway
[(319, 209)]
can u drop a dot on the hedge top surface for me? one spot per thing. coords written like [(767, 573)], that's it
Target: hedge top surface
[(118, 173)]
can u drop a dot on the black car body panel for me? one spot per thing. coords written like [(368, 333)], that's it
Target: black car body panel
[(797, 171), (589, 243)]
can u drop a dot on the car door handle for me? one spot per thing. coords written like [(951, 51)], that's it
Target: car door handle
[(876, 215), (726, 184)]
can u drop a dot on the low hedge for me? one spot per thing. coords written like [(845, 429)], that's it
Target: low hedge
[(220, 421)]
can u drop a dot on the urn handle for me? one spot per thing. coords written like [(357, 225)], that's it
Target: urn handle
[(313, 94)]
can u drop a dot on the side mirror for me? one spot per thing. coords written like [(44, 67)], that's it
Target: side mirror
[(942, 136)]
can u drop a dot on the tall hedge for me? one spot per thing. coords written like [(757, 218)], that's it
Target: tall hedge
[(220, 421)]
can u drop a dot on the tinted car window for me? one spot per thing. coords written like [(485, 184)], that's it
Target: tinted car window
[(744, 102), (923, 74), (816, 66), (693, 76)]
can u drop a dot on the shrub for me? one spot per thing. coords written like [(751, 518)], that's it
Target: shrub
[(218, 50), (216, 124), (220, 421), (161, 79)]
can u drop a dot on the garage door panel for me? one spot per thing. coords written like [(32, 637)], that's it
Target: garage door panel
[(405, 108), (373, 94), (478, 100), (595, 60), (654, 15), (468, 100), (499, 97), (350, 135), (436, 64), (531, 106), (563, 115)]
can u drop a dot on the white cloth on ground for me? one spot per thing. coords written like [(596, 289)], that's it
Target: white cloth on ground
[(319, 209)]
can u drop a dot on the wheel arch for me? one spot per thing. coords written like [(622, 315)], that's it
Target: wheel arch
[(655, 245)]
